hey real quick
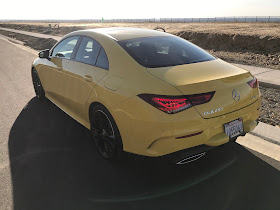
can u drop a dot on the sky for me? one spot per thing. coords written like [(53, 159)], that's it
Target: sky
[(110, 9)]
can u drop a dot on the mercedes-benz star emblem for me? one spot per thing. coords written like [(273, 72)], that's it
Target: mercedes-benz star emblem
[(235, 95)]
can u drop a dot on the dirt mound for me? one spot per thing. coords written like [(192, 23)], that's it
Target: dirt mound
[(233, 42), (214, 43), (66, 30), (209, 40), (43, 29), (247, 49), (268, 61), (30, 41), (253, 44), (40, 43)]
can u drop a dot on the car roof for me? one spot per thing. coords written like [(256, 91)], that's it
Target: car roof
[(119, 34)]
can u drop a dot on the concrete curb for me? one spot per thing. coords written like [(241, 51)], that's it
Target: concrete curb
[(264, 139), (269, 85), (269, 78), (263, 131), (267, 132), (259, 145)]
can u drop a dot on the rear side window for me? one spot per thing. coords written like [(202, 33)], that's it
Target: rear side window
[(65, 48), (102, 60), (153, 52), (88, 51)]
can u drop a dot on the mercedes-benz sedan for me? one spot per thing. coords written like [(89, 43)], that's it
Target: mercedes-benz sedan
[(147, 92)]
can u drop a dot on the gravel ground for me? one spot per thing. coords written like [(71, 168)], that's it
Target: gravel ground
[(270, 109), (248, 58), (245, 43)]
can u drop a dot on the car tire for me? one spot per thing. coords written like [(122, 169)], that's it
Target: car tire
[(38, 88), (105, 133)]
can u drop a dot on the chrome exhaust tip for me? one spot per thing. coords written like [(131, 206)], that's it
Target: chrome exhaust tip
[(191, 159)]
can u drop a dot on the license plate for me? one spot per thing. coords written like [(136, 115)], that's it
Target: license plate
[(234, 128)]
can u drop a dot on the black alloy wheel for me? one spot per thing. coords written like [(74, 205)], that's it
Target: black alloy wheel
[(40, 93), (105, 133)]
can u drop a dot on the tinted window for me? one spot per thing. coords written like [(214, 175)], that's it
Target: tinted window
[(65, 48), (102, 60), (155, 52), (88, 51)]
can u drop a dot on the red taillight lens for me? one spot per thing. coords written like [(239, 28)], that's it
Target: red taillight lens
[(171, 105), (253, 83), (200, 98), (174, 104)]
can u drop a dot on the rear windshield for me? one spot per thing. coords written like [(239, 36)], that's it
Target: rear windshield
[(153, 52)]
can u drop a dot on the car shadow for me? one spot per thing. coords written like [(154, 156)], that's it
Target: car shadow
[(54, 165)]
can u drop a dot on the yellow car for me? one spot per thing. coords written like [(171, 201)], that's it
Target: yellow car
[(147, 92)]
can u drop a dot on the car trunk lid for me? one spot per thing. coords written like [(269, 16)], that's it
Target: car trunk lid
[(228, 81)]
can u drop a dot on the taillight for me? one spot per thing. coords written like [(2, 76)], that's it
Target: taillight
[(253, 83), (171, 105), (175, 104), (200, 98)]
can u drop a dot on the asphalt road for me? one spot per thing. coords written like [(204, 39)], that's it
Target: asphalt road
[(48, 161)]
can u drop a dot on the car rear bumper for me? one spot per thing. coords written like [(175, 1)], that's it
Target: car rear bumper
[(150, 132)]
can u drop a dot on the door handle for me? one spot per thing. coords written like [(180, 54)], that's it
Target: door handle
[(88, 78)]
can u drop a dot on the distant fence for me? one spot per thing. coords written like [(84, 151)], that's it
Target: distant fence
[(246, 19)]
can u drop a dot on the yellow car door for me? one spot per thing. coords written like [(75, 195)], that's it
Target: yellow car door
[(52, 73), (84, 71)]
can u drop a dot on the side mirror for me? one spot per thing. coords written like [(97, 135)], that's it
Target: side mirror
[(44, 54)]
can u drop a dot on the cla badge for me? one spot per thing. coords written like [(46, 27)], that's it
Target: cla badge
[(213, 111), (235, 95)]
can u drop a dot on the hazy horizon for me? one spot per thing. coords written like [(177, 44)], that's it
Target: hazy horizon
[(124, 9), (100, 18)]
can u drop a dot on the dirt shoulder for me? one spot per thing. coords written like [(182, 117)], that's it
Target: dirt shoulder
[(246, 43), (271, 61), (30, 41), (270, 109), (250, 29)]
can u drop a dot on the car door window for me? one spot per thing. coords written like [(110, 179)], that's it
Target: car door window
[(65, 48), (102, 60), (88, 51)]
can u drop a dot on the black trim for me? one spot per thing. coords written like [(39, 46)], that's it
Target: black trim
[(51, 50), (101, 47), (98, 55), (74, 57), (74, 53)]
